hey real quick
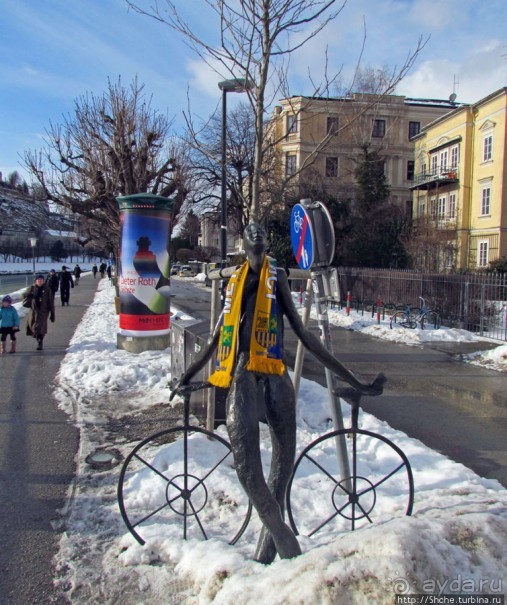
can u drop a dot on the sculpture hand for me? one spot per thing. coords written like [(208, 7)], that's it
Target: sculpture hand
[(376, 387), (176, 385)]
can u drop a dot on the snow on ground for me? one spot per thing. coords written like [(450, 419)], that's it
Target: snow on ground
[(453, 543), (495, 359), (45, 264)]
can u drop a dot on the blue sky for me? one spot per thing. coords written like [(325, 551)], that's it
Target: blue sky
[(54, 51)]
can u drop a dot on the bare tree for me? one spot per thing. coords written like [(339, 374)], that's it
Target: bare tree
[(256, 39), (205, 149), (113, 145)]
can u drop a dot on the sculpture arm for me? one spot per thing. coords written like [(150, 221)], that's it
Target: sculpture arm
[(315, 346)]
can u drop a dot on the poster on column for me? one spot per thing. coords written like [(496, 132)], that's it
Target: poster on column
[(144, 275)]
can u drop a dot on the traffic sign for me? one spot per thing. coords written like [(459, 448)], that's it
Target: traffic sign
[(301, 233)]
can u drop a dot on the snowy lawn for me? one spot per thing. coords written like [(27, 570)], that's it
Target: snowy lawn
[(453, 543)]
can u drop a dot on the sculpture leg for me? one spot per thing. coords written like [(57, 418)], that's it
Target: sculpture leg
[(243, 429), (281, 417)]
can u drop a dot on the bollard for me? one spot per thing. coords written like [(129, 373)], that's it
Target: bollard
[(348, 303)]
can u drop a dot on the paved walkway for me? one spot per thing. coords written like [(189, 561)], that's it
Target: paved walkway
[(456, 408), (38, 444), (453, 407)]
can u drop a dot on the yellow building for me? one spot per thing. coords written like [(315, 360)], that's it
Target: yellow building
[(459, 195), (320, 139)]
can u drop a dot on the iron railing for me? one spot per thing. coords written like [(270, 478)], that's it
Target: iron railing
[(473, 301)]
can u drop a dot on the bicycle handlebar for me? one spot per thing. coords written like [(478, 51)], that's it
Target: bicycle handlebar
[(185, 389), (374, 389)]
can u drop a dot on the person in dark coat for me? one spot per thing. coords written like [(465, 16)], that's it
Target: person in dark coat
[(66, 282), (77, 274), (94, 271), (42, 308), (53, 281)]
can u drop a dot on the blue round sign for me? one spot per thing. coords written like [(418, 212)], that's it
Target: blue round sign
[(301, 236)]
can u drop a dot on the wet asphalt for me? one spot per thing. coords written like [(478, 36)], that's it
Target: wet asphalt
[(38, 445), (452, 407)]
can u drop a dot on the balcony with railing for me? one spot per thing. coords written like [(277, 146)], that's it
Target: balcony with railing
[(442, 175)]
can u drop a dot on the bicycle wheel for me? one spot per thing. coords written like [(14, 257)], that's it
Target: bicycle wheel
[(380, 485), (431, 319), (400, 318), (183, 478)]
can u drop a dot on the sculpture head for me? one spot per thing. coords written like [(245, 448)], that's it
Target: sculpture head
[(255, 241)]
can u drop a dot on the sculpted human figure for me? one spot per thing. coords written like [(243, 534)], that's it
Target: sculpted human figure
[(249, 360)]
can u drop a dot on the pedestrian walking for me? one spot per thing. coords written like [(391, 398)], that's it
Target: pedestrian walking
[(109, 271), (102, 269), (94, 271), (9, 323), (66, 283), (42, 308), (53, 281), (77, 274)]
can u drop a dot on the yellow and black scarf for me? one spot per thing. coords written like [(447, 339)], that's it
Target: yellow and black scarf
[(265, 340)]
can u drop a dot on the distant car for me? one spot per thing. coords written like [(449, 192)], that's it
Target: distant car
[(175, 269), (186, 271)]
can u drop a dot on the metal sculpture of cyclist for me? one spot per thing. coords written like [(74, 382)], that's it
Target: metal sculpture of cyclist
[(249, 360)]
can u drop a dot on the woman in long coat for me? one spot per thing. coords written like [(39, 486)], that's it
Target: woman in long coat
[(42, 308)]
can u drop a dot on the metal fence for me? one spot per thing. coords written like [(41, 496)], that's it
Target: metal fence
[(473, 301)]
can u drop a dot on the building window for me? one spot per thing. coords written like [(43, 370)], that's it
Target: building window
[(441, 207), (379, 129), (433, 207), (332, 166), (488, 148), (483, 253), (485, 201), (444, 156), (413, 129), (434, 165), (332, 125), (410, 170), (421, 207), (454, 156), (292, 124), (452, 205), (290, 164)]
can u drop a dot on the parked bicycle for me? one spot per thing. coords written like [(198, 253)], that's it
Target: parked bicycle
[(174, 480), (411, 317)]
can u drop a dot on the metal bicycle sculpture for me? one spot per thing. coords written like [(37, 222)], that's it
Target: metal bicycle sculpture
[(341, 502), (158, 486), (169, 477), (411, 316)]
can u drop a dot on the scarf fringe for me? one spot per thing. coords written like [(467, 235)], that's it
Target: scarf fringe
[(266, 366), (220, 379)]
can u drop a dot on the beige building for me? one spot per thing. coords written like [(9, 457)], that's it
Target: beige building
[(459, 191), (324, 137), (210, 233)]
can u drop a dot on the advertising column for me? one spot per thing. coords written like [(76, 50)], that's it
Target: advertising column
[(143, 278)]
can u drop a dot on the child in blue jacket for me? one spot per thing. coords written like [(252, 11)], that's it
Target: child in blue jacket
[(9, 323)]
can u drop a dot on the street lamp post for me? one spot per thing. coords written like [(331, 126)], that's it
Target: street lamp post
[(235, 85), (33, 243)]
